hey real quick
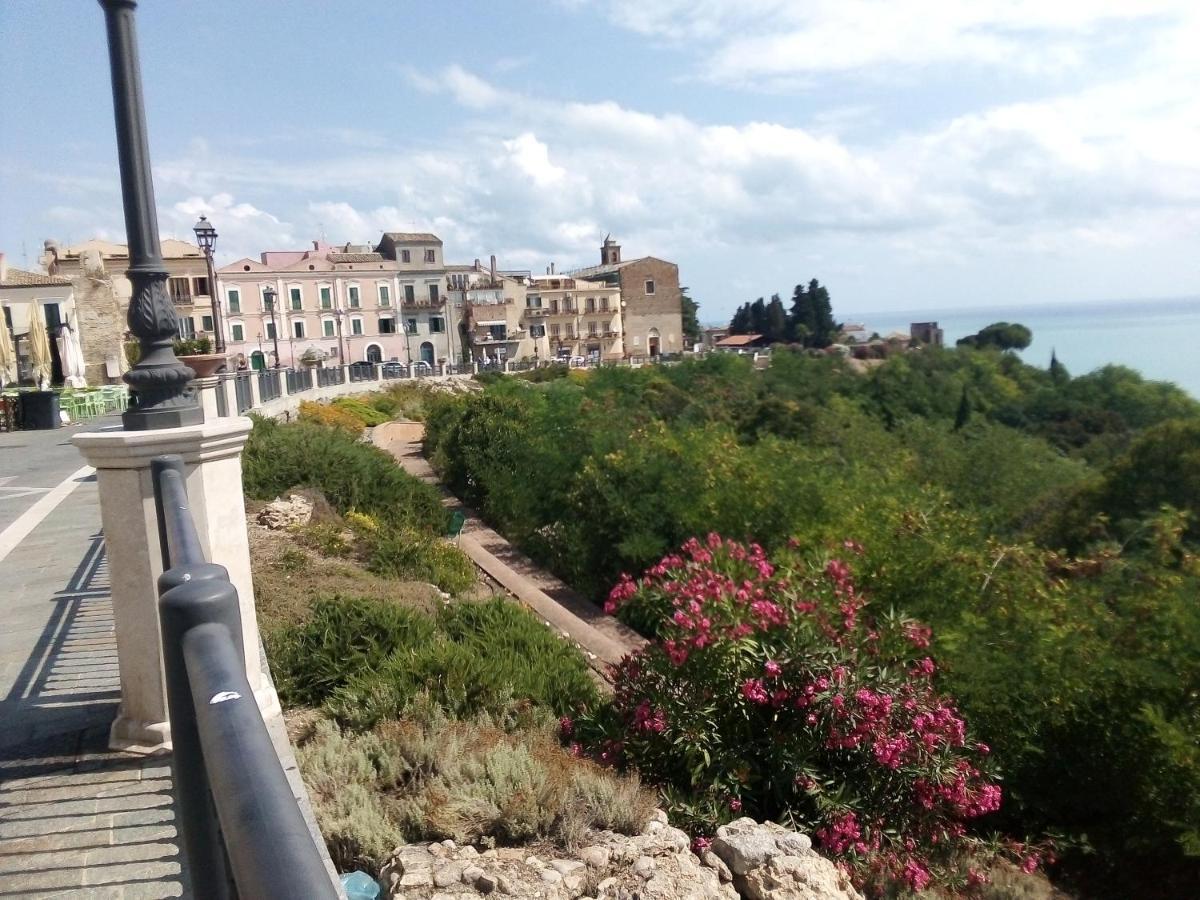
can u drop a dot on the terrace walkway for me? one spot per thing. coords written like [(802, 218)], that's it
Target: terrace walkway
[(602, 637), (76, 819)]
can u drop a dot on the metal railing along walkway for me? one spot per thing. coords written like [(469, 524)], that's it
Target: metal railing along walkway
[(242, 829)]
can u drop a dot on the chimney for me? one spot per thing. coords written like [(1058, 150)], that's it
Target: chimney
[(493, 267), (547, 270), (478, 265), (551, 268)]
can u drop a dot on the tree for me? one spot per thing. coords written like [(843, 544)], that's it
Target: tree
[(776, 329), (691, 323), (1058, 372), (999, 336), (740, 323), (801, 322), (758, 316), (824, 328), (964, 411)]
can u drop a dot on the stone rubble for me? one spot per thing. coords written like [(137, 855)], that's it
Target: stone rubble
[(747, 861), (282, 513)]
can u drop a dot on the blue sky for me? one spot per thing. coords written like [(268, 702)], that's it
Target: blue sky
[(912, 154)]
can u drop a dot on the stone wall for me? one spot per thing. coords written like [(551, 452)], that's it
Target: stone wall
[(102, 323), (662, 310)]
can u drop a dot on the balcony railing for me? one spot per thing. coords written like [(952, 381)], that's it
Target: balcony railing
[(242, 829), (534, 312)]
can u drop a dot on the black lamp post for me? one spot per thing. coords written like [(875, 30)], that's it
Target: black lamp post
[(206, 240), (162, 393), (338, 314), (269, 299)]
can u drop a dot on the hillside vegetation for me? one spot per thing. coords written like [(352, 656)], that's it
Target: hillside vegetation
[(1042, 525)]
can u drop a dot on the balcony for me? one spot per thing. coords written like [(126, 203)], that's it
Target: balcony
[(536, 312), (564, 312), (423, 304)]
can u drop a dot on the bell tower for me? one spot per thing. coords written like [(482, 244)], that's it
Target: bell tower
[(610, 252)]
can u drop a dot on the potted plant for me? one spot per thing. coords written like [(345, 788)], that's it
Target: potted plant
[(196, 353)]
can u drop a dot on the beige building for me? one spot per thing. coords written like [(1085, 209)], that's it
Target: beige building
[(96, 269), (54, 299), (341, 304), (650, 296), (491, 308), (582, 318)]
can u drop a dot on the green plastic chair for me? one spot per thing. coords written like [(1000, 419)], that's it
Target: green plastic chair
[(457, 522)]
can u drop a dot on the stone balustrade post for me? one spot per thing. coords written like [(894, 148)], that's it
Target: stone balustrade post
[(255, 392), (207, 388), (212, 455)]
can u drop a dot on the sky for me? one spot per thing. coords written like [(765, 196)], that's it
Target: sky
[(911, 154)]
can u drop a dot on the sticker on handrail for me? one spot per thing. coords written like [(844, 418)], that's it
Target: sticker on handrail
[(222, 696)]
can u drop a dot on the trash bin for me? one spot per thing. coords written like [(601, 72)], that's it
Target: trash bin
[(39, 410)]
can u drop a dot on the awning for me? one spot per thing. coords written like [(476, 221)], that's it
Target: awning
[(489, 324)]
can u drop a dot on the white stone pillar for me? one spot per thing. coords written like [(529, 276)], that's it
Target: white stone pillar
[(208, 388), (255, 394), (212, 460), (226, 386)]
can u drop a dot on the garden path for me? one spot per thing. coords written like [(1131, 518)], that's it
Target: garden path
[(604, 639)]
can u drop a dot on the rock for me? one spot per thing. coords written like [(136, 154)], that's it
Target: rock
[(660, 815), (534, 861), (471, 874), (416, 878), (643, 866), (793, 844), (485, 883), (467, 852), (550, 876), (280, 513), (595, 857), (448, 874), (744, 852), (715, 863), (565, 866), (809, 877)]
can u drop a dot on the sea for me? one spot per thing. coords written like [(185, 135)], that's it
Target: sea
[(1158, 338)]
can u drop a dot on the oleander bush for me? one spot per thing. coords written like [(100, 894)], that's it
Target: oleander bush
[(366, 661), (776, 689), (351, 475)]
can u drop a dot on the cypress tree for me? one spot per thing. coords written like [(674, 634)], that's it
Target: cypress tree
[(964, 411)]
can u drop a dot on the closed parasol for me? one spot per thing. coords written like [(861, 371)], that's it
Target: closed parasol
[(8, 355), (39, 347)]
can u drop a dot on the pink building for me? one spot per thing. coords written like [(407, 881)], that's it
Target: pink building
[(343, 304)]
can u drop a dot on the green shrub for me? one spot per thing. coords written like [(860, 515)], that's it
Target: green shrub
[(368, 660), (351, 475), (403, 553), (361, 410)]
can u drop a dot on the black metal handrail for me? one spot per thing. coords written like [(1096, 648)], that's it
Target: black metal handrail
[(242, 829)]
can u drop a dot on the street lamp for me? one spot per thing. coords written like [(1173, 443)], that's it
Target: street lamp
[(163, 395), (206, 240), (337, 315), (269, 299)]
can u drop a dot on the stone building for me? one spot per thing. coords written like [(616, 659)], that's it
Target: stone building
[(651, 302), (492, 309), (96, 269), (342, 303), (51, 295)]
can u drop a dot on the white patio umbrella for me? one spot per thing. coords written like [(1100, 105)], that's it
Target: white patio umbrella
[(8, 355), (39, 347), (71, 356)]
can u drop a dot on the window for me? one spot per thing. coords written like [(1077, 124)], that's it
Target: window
[(327, 327), (353, 294), (206, 322), (235, 302), (298, 328), (649, 286), (387, 325), (603, 304), (326, 297), (356, 326), (537, 331), (555, 330), (237, 332), (433, 293), (411, 326), (406, 256), (591, 304), (430, 256), (385, 296), (592, 329), (181, 289), (187, 327), (262, 295), (270, 331), (533, 301), (437, 325), (410, 294), (201, 286), (296, 297), (497, 332)]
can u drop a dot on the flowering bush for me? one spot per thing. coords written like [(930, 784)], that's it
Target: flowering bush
[(775, 690)]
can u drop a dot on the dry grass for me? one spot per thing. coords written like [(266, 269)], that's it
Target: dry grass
[(479, 781)]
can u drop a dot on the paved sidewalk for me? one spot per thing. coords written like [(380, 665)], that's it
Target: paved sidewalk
[(603, 637), (76, 820)]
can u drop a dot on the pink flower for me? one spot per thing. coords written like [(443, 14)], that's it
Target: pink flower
[(916, 875), (1030, 863), (735, 804), (754, 691), (772, 668), (700, 844), (983, 748), (566, 726)]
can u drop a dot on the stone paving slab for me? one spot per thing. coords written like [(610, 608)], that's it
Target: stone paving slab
[(76, 819)]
